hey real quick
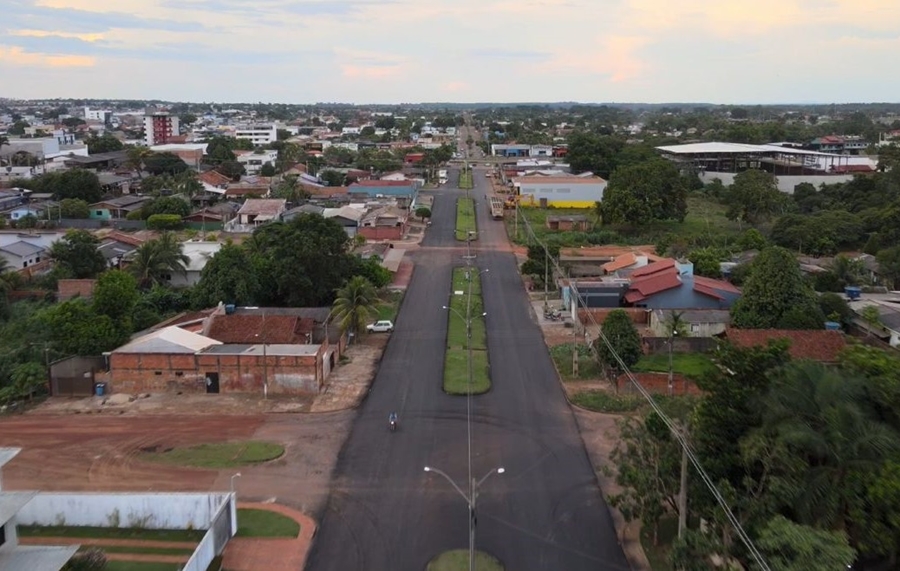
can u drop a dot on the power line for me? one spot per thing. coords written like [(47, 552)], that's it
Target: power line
[(679, 436)]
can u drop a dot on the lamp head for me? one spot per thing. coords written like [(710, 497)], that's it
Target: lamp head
[(501, 470)]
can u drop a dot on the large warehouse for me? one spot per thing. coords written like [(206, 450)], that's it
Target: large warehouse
[(559, 191)]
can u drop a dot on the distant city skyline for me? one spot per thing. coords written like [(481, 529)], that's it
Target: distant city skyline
[(394, 51)]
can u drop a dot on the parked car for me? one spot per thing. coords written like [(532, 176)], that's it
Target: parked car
[(384, 326)]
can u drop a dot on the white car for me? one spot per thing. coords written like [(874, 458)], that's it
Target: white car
[(380, 327)]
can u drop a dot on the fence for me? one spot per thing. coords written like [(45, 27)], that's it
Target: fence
[(221, 529), (654, 345)]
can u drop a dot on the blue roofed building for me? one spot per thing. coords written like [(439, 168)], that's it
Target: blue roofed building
[(403, 191)]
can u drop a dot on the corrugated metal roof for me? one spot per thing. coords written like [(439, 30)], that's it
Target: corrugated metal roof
[(22, 249), (726, 148), (169, 340)]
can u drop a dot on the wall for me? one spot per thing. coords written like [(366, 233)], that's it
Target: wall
[(638, 316), (562, 195), (656, 345), (67, 289), (148, 511), (381, 232), (221, 529), (785, 183), (657, 384), (74, 376), (136, 372)]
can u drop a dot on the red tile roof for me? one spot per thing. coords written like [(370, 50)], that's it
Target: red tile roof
[(817, 344), (279, 329), (214, 178), (381, 183), (654, 268), (643, 288), (713, 288), (620, 262)]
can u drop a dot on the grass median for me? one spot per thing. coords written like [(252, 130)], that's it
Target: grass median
[(465, 217), (456, 358), (466, 182)]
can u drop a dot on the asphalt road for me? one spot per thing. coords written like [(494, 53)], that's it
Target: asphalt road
[(386, 513)]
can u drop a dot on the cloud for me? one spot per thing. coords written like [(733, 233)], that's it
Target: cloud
[(18, 57), (614, 57), (506, 53), (454, 86)]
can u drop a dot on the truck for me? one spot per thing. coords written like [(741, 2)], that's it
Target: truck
[(496, 208)]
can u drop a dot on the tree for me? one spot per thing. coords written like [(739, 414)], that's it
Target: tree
[(74, 183), (227, 277), (164, 163), (187, 119), (706, 261), (871, 317), (301, 263), (624, 341), (103, 144), (594, 153), (71, 208), (166, 205), (834, 308), (75, 329), (28, 378), (77, 255), (774, 288), (643, 193), (889, 265), (232, 169), (751, 239), (355, 305), (788, 546), (538, 264), (135, 158), (371, 269), (332, 177), (156, 259), (754, 196), (115, 296), (267, 170), (423, 212)]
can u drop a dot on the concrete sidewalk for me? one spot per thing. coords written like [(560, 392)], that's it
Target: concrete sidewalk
[(271, 554)]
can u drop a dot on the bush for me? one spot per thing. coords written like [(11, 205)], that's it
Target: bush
[(164, 222), (91, 559)]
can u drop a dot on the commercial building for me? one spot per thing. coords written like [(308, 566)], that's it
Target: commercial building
[(257, 134), (253, 162), (559, 191), (159, 128)]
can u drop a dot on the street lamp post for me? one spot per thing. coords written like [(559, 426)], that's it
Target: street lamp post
[(233, 476), (471, 500)]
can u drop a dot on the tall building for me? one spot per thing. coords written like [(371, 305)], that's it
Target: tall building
[(257, 134), (159, 128), (97, 115)]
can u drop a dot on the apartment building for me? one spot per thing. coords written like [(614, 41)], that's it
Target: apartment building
[(257, 134), (159, 128)]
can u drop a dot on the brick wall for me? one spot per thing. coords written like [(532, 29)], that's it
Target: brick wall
[(140, 372), (657, 384), (381, 232), (638, 316), (67, 289)]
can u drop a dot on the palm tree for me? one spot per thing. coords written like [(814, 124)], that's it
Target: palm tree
[(136, 157), (355, 305), (156, 259)]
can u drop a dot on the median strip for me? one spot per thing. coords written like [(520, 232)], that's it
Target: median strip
[(456, 357), (465, 218)]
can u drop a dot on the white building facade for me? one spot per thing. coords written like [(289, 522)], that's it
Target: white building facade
[(257, 134)]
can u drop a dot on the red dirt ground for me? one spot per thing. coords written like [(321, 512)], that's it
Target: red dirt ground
[(92, 452)]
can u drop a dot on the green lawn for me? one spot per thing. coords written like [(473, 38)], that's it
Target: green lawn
[(456, 372), (587, 365), (465, 217), (691, 365), (456, 360), (194, 535), (458, 560), (705, 221), (143, 550), (265, 523), (140, 566), (389, 305), (219, 455), (466, 181)]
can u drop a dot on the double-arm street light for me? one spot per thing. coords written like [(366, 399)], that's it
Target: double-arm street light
[(471, 498)]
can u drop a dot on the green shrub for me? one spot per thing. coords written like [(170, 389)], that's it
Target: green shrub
[(164, 222)]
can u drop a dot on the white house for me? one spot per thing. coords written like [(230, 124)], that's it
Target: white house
[(253, 162), (21, 250), (198, 253)]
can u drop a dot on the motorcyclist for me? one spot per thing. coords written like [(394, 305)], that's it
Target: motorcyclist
[(392, 419)]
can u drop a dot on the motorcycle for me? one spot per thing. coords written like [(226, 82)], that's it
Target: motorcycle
[(393, 426)]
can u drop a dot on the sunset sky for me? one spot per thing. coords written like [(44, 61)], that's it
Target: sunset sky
[(392, 51)]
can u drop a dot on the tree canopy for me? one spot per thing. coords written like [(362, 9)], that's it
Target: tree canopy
[(645, 192), (76, 255), (754, 196)]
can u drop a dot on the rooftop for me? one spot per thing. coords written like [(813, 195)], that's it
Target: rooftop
[(22, 249), (273, 349), (557, 180), (263, 207), (654, 268), (643, 288), (172, 339), (717, 148)]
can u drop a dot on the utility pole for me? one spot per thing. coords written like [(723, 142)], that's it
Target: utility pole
[(682, 492)]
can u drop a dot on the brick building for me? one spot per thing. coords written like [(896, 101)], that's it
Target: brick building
[(255, 350)]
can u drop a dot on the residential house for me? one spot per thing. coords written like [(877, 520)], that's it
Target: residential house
[(383, 223), (216, 214), (116, 245), (214, 179), (559, 192), (347, 216), (396, 175), (11, 198), (198, 254), (249, 187), (35, 209), (307, 208), (821, 345), (22, 254), (253, 162), (255, 212), (117, 208), (31, 557), (888, 327), (697, 322), (668, 284), (404, 192)]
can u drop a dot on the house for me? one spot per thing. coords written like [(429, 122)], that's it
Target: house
[(198, 254), (250, 186), (22, 254), (888, 327), (218, 213), (668, 284), (396, 175), (404, 192), (253, 162), (347, 216), (12, 555), (214, 178), (255, 212), (35, 209), (698, 322), (559, 191), (817, 344), (256, 350), (383, 223), (11, 198), (303, 209), (119, 207), (116, 245)]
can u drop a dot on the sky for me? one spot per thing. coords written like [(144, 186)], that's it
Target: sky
[(409, 51)]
